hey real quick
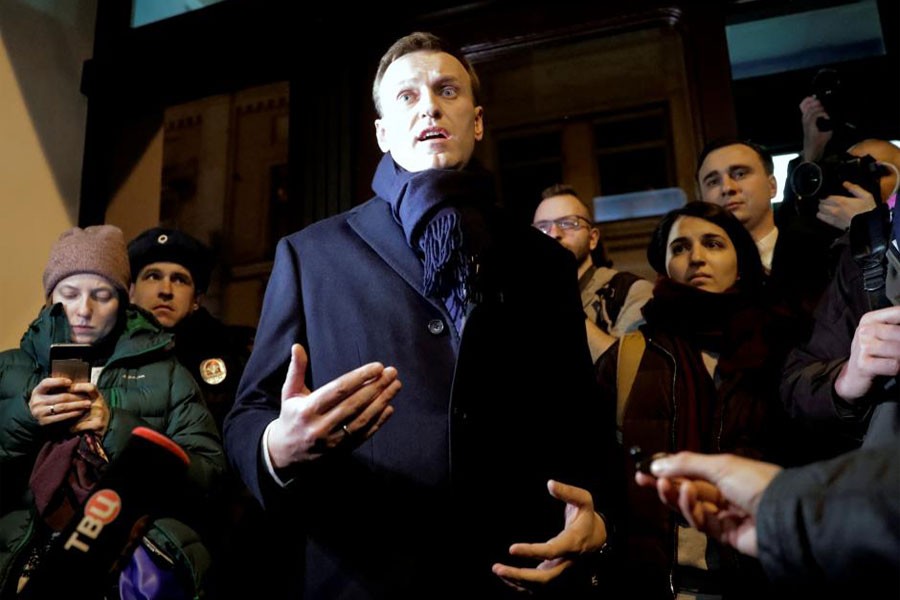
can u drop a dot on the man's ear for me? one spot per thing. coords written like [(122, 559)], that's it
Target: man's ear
[(773, 186), (196, 304), (381, 136), (131, 293), (595, 239), (479, 123)]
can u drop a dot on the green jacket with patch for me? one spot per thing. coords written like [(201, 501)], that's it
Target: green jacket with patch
[(144, 385)]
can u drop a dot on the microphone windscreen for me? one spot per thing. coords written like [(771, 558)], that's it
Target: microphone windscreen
[(139, 484)]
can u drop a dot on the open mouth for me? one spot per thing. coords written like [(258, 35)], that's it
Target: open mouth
[(433, 133)]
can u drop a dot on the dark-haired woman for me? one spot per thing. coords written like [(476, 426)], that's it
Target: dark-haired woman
[(703, 377)]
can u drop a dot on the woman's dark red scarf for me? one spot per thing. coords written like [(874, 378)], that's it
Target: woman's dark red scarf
[(731, 325)]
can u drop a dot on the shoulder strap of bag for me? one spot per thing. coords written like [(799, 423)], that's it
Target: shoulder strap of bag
[(631, 349), (612, 296)]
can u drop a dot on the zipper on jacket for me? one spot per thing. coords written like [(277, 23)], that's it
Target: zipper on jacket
[(671, 357), (16, 554), (674, 533)]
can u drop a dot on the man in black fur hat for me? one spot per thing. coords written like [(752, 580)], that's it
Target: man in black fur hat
[(170, 272)]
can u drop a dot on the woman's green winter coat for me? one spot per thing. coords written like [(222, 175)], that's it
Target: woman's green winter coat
[(143, 385)]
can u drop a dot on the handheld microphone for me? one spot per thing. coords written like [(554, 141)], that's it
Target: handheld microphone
[(136, 487)]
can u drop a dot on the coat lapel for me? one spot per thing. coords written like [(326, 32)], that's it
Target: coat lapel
[(373, 223)]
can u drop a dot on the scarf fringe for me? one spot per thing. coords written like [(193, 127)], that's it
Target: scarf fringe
[(430, 206), (445, 262)]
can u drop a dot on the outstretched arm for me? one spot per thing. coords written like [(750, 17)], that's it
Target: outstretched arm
[(717, 494), (830, 522)]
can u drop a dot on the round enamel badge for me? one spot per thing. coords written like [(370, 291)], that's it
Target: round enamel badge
[(213, 371)]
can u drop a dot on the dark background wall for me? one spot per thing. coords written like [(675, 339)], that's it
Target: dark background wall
[(328, 52), (561, 70)]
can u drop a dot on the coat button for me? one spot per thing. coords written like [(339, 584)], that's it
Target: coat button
[(435, 327)]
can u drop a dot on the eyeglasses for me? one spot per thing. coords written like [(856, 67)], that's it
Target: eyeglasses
[(570, 223)]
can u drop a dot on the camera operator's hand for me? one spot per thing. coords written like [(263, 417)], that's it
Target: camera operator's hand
[(814, 140), (875, 351), (838, 211)]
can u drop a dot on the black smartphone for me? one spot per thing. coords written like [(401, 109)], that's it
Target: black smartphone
[(71, 360), (641, 460)]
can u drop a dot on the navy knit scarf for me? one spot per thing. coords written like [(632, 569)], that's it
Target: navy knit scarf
[(436, 209)]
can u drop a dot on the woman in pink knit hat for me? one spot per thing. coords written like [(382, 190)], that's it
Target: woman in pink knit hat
[(58, 435)]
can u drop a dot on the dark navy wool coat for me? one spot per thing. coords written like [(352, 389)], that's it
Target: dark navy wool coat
[(459, 472)]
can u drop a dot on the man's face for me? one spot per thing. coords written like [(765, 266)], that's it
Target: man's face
[(883, 152), (166, 290), (91, 304), (579, 240), (735, 178), (429, 118)]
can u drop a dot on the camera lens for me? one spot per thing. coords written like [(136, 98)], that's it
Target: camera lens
[(807, 179)]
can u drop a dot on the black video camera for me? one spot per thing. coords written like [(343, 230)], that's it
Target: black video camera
[(813, 181)]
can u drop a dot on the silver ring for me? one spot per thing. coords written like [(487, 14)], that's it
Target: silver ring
[(346, 431), (52, 409)]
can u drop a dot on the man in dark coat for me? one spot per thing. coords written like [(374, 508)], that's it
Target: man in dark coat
[(170, 272), (421, 492), (844, 380), (828, 528)]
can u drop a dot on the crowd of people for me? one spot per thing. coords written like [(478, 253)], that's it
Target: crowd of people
[(439, 401)]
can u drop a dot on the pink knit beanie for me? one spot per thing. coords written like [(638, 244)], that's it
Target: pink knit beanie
[(98, 249)]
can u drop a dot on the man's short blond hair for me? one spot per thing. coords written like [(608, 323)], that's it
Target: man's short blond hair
[(416, 42)]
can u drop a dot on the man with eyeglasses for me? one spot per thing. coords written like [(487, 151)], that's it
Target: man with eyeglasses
[(611, 310)]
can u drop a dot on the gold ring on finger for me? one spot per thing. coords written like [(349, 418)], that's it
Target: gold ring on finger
[(52, 409)]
